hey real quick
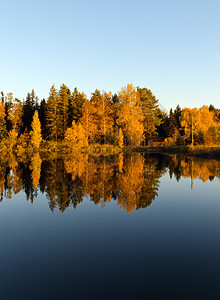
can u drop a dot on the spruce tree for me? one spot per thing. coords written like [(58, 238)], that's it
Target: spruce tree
[(52, 119), (64, 96), (172, 124), (76, 103), (42, 117), (151, 111), (29, 107)]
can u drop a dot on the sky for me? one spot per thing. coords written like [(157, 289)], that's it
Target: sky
[(171, 47)]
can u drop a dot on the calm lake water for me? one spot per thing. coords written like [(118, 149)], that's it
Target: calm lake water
[(116, 227)]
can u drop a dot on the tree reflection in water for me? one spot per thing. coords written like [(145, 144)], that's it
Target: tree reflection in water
[(130, 180)]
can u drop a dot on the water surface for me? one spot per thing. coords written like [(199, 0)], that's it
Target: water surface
[(115, 227)]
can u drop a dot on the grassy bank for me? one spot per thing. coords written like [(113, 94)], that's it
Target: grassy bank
[(200, 151), (49, 149)]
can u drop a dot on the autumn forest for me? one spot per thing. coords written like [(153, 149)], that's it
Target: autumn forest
[(131, 117)]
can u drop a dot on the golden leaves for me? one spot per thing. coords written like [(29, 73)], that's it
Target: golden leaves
[(36, 137)]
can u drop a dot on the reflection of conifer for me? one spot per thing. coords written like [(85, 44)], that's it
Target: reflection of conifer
[(151, 183), (28, 186)]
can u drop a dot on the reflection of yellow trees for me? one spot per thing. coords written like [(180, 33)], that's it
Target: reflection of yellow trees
[(61, 189), (138, 182), (50, 183), (100, 181), (2, 179), (151, 183), (14, 178), (95, 175), (131, 115), (194, 168), (76, 165), (36, 169), (130, 182)]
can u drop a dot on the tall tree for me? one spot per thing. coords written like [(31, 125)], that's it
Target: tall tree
[(29, 108), (36, 137), (103, 115), (115, 106), (53, 121), (42, 116), (76, 103), (2, 96), (151, 111), (197, 122), (15, 114), (130, 115), (87, 120), (216, 112), (3, 129), (64, 96), (172, 124), (177, 114), (8, 100)]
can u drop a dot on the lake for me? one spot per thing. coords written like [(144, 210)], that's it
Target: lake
[(110, 227)]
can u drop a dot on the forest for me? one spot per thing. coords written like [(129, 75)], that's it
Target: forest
[(131, 117)]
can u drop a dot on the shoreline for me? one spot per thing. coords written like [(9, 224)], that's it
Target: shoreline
[(212, 152), (52, 149)]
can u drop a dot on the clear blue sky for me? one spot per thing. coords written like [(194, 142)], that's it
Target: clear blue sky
[(171, 47)]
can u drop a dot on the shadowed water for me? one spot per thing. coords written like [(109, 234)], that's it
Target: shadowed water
[(114, 227)]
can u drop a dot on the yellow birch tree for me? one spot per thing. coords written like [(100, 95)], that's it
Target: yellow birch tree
[(130, 115), (36, 137)]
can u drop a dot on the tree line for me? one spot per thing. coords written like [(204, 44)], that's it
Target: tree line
[(130, 117)]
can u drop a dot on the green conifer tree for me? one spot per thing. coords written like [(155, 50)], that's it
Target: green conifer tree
[(151, 111), (76, 103), (64, 97), (52, 120)]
